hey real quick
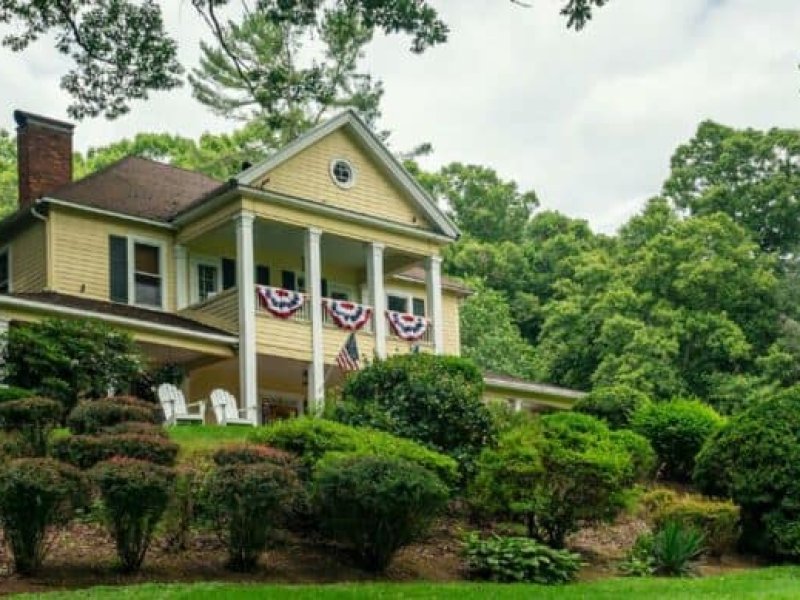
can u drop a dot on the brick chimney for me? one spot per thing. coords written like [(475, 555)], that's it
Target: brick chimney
[(44, 155)]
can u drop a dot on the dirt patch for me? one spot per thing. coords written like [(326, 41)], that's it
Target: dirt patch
[(83, 556)]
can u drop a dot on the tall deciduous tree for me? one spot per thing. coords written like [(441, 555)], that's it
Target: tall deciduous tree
[(8, 173), (753, 176)]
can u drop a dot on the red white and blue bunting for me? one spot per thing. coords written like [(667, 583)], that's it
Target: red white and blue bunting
[(279, 302), (348, 315), (407, 327)]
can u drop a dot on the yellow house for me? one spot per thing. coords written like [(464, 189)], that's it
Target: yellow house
[(254, 284)]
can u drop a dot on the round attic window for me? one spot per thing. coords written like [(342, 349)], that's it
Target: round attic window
[(343, 173)]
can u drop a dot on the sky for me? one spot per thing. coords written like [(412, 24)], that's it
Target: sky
[(588, 120)]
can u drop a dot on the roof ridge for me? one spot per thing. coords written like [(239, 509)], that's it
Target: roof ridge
[(170, 166)]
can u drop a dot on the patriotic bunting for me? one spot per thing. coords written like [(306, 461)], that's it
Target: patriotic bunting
[(348, 315), (279, 302), (407, 327)]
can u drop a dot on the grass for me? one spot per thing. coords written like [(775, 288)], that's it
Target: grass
[(777, 582), (193, 438)]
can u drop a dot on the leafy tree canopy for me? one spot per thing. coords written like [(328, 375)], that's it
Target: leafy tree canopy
[(122, 51)]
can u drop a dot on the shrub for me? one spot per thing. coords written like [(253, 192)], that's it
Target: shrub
[(92, 416), (554, 474), (639, 560), (69, 359), (519, 560), (434, 400), (249, 454), (675, 548), (376, 504), (311, 439), (85, 451), (187, 505), (615, 404), (33, 419), (14, 393), (248, 501), (755, 460), (677, 431), (643, 457), (134, 495), (36, 495), (135, 428), (718, 521)]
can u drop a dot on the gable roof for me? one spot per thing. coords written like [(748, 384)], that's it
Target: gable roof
[(369, 141), (139, 187)]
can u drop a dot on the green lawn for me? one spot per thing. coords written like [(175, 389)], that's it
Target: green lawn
[(192, 438), (780, 582)]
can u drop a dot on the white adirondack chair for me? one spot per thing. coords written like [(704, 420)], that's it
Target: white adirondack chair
[(226, 410), (176, 409)]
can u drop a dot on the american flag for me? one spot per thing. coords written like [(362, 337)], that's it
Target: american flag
[(348, 359)]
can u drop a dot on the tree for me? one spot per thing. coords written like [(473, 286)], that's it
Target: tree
[(490, 337), (8, 173), (752, 176), (271, 81), (122, 51)]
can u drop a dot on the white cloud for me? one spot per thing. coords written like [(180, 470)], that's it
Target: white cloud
[(588, 119)]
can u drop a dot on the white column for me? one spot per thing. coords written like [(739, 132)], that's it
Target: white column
[(316, 373), (181, 277), (433, 283), (245, 278), (4, 324), (377, 295)]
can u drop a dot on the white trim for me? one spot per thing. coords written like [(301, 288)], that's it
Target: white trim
[(353, 173), (194, 276), (433, 288), (409, 296), (351, 291), (162, 268), (377, 296), (125, 321), (536, 388), (7, 251), (181, 277), (105, 213), (395, 170)]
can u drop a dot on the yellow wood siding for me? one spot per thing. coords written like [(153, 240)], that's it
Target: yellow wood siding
[(221, 311), (28, 262), (286, 338), (80, 253), (347, 229), (307, 175)]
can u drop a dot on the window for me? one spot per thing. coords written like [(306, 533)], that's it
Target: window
[(207, 281), (404, 303), (342, 173), (5, 271), (147, 274)]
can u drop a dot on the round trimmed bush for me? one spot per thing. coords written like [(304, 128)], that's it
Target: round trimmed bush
[(92, 416), (247, 502), (33, 419), (434, 400), (376, 505), (36, 496), (755, 460), (677, 431), (85, 451), (250, 454), (136, 428), (14, 393), (135, 494), (615, 404), (643, 457)]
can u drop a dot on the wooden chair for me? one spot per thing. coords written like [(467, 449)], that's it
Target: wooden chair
[(226, 410), (176, 409)]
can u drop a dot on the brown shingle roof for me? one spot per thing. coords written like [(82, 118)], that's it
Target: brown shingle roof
[(139, 187), (119, 310)]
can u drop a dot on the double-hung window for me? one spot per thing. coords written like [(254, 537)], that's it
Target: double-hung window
[(5, 270), (405, 303), (148, 275)]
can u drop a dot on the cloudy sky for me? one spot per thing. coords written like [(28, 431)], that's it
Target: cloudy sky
[(589, 120)]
